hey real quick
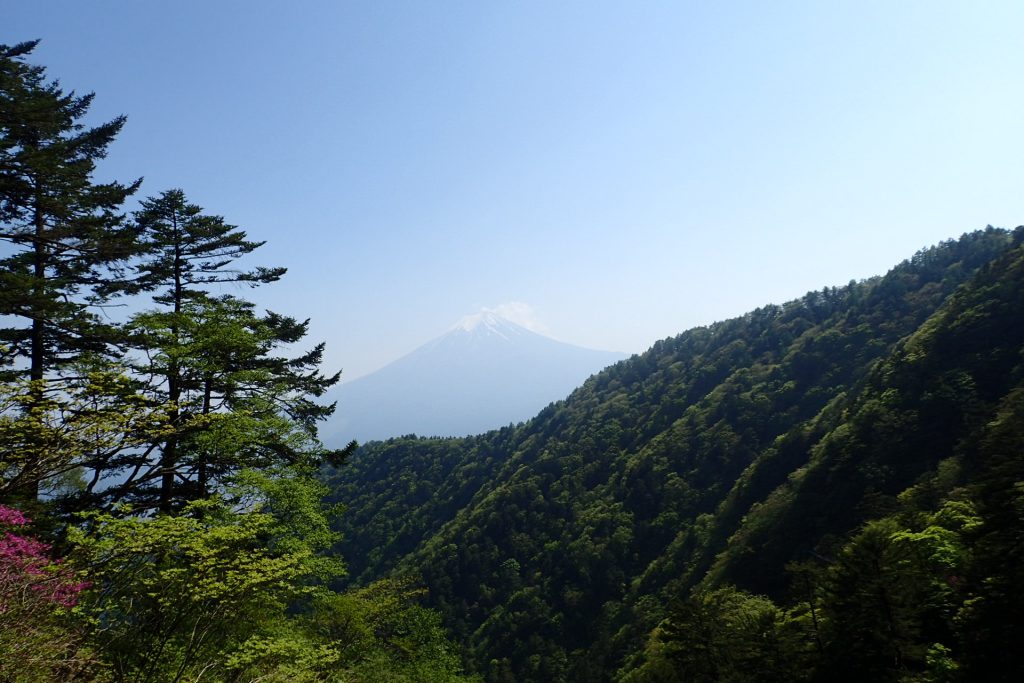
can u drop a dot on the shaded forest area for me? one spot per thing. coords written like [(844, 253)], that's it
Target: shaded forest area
[(826, 490)]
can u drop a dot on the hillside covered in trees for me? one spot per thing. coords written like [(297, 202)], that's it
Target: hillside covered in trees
[(825, 490), (159, 515)]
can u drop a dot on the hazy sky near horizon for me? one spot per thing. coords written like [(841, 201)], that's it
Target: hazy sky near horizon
[(610, 173)]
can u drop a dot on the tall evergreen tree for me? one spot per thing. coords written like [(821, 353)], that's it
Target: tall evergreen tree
[(187, 251), (214, 357), (64, 233)]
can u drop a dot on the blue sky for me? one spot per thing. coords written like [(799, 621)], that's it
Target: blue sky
[(612, 172)]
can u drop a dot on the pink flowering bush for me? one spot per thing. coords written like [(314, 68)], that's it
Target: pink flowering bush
[(37, 639), (25, 563), (11, 517)]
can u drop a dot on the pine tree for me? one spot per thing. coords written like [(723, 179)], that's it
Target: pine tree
[(231, 401), (187, 251), (65, 235)]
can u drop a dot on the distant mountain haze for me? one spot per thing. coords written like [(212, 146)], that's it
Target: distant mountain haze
[(484, 373)]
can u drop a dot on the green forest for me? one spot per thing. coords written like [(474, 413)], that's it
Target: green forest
[(830, 489), (826, 490)]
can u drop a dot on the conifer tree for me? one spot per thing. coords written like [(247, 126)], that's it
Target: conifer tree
[(213, 356), (64, 234), (65, 231)]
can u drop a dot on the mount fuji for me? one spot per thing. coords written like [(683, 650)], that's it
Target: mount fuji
[(485, 372)]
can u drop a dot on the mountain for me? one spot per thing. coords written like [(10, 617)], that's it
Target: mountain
[(485, 372), (851, 457)]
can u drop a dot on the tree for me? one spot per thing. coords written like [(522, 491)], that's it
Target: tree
[(727, 635), (213, 358), (239, 405), (234, 588), (257, 407), (176, 597), (93, 423), (187, 252), (64, 232)]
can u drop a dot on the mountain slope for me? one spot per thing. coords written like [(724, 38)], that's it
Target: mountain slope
[(929, 400), (553, 548), (900, 536), (484, 373)]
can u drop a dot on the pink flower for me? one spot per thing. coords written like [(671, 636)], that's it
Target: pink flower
[(12, 517), (25, 562)]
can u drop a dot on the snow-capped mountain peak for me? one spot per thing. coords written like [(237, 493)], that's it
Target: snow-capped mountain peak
[(488, 323)]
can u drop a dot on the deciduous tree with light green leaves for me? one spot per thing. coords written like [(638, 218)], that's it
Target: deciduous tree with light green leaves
[(234, 588), (174, 597)]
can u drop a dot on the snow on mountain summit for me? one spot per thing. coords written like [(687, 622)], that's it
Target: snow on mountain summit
[(488, 322)]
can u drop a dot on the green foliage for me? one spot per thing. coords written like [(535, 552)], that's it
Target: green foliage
[(991, 621), (63, 231), (64, 238), (208, 420), (236, 591), (174, 595), (927, 402), (55, 434), (381, 633), (718, 457), (213, 356), (907, 597), (235, 404), (726, 635)]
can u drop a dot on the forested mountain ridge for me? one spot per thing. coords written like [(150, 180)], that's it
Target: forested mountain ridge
[(930, 399), (553, 548), (902, 532)]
